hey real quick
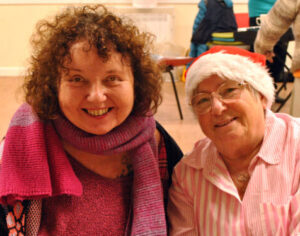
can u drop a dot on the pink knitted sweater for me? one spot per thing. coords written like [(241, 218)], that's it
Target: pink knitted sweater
[(103, 207)]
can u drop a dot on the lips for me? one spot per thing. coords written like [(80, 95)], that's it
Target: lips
[(224, 123)]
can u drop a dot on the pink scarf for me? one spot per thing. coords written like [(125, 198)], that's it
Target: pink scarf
[(35, 166)]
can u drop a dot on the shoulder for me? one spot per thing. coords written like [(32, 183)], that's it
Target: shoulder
[(196, 158), (172, 148), (228, 3), (157, 136), (191, 166), (169, 152), (284, 130), (284, 121)]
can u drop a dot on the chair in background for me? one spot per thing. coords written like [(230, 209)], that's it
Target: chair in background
[(168, 63), (242, 19)]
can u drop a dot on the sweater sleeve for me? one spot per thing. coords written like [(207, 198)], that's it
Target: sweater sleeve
[(275, 24), (200, 15), (228, 3)]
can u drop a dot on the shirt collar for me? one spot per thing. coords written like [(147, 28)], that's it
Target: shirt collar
[(204, 154)]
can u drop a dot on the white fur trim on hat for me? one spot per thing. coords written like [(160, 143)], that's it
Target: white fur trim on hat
[(233, 67)]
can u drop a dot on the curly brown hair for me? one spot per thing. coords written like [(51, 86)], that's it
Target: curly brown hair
[(103, 30)]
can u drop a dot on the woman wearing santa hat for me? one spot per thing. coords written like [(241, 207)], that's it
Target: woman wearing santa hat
[(244, 177)]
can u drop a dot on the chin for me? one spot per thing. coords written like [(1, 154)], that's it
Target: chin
[(231, 137), (98, 132), (94, 130)]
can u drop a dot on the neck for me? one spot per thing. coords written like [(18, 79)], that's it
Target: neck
[(239, 160), (238, 164), (109, 166)]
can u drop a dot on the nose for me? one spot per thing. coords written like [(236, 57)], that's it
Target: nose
[(217, 106), (97, 93)]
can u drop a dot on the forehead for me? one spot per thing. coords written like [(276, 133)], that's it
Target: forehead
[(210, 83), (82, 54)]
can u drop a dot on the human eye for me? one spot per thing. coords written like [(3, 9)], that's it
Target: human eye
[(113, 80), (229, 91), (75, 80), (201, 100)]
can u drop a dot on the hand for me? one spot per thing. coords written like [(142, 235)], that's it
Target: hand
[(269, 56)]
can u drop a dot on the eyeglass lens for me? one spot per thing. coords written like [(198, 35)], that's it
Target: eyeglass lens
[(227, 91)]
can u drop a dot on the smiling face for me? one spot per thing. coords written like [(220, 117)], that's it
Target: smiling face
[(234, 125), (96, 95)]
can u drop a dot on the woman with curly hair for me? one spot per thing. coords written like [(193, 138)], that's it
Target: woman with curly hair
[(84, 154)]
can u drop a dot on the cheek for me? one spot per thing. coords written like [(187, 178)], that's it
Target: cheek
[(61, 97), (128, 96), (63, 103), (205, 124), (66, 98)]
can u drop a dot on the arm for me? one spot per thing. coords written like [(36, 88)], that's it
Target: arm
[(228, 3), (294, 209), (294, 225), (31, 210), (200, 15), (3, 211), (180, 210), (3, 225), (275, 24)]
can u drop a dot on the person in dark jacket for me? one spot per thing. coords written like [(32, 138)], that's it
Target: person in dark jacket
[(213, 16)]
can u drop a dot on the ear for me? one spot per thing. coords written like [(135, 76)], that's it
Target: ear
[(263, 101)]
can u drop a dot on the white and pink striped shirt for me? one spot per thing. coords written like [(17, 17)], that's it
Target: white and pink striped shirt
[(204, 200)]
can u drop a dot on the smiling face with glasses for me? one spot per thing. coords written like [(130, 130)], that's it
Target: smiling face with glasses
[(230, 113)]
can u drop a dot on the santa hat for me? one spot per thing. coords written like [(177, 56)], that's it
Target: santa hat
[(231, 63)]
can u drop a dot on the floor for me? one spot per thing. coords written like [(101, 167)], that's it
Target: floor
[(186, 132)]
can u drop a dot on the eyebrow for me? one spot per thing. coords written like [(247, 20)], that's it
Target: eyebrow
[(74, 69), (111, 71), (205, 91), (114, 71)]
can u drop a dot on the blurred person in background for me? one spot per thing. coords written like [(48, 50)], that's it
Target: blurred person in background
[(212, 16), (284, 14), (256, 8)]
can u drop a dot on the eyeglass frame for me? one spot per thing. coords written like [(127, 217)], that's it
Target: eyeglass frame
[(217, 95)]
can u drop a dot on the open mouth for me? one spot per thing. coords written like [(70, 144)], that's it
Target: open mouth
[(99, 112), (222, 124)]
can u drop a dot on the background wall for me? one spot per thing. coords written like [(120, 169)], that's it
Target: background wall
[(17, 22)]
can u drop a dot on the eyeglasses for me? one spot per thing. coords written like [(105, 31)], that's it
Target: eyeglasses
[(228, 91)]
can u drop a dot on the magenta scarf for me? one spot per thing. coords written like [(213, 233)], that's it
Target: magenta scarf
[(35, 166)]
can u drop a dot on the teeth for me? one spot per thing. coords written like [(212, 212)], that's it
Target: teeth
[(97, 112)]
